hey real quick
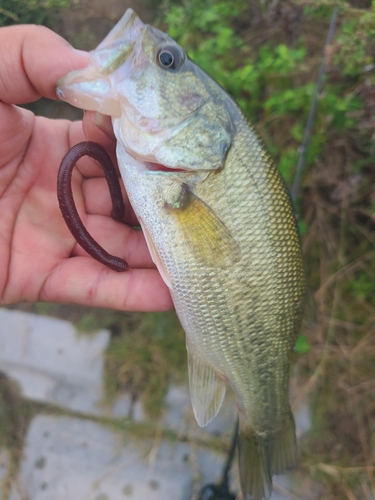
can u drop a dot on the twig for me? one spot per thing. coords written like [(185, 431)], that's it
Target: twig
[(319, 370), (9, 14), (350, 267), (310, 121)]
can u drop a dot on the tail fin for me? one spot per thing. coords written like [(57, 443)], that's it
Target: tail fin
[(262, 455), (284, 452), (255, 467)]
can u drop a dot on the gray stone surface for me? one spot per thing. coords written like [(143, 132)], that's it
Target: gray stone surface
[(76, 459), (283, 481), (179, 415), (122, 406), (302, 416), (52, 362), (137, 412)]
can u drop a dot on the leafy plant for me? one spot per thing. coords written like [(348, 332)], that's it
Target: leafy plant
[(29, 11), (355, 44), (272, 83)]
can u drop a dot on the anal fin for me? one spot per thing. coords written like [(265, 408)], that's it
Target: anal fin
[(207, 388)]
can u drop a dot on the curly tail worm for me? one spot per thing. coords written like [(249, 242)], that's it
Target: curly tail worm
[(68, 207)]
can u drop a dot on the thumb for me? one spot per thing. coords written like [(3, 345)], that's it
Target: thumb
[(32, 59)]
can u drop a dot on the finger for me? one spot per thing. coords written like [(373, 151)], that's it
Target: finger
[(32, 59), (76, 133), (98, 201), (38, 171), (118, 239), (98, 128), (16, 126), (86, 165), (84, 281)]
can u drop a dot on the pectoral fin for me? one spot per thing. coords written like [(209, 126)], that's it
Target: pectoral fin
[(205, 234), (207, 388)]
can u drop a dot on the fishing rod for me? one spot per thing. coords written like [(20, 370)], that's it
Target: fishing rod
[(221, 490), (314, 104)]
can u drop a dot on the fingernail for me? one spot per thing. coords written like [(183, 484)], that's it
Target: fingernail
[(83, 54)]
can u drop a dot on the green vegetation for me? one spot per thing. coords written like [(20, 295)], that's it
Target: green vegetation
[(270, 69), (269, 64), (30, 11), (146, 358), (302, 345), (15, 416), (266, 54)]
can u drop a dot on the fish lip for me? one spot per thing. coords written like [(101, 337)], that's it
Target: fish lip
[(146, 165), (160, 168)]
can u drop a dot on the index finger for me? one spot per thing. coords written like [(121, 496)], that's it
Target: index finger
[(32, 59)]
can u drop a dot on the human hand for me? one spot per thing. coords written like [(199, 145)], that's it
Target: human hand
[(39, 259)]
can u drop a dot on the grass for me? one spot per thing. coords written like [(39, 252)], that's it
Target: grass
[(15, 416), (335, 367), (337, 373), (145, 359)]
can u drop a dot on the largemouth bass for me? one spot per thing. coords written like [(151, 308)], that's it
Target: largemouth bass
[(219, 225)]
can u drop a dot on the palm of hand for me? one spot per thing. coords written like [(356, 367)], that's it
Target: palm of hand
[(39, 258)]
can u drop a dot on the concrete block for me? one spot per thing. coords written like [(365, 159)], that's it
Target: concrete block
[(52, 362), (76, 459)]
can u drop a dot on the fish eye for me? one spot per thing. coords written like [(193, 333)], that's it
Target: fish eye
[(169, 57)]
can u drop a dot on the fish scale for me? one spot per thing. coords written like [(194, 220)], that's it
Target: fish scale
[(220, 227)]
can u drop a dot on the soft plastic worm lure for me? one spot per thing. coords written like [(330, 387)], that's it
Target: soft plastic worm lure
[(68, 207)]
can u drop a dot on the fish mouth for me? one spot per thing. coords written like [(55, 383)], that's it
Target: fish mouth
[(147, 165), (158, 167)]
